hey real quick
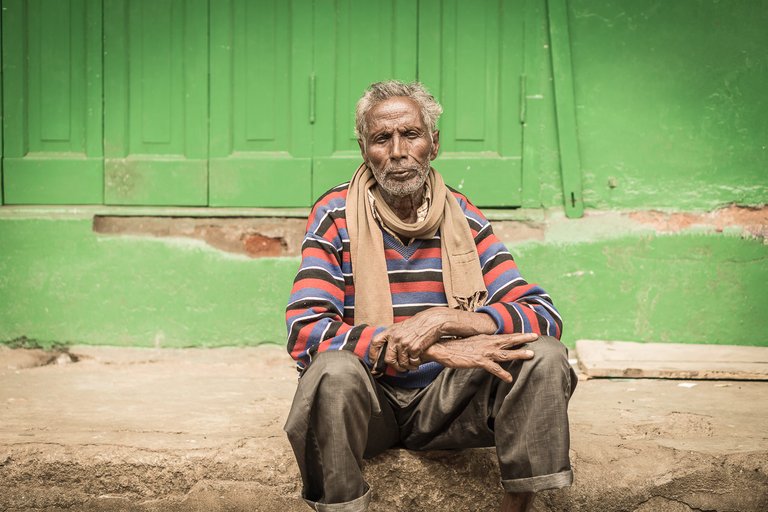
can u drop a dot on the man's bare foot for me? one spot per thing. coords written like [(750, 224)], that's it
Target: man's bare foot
[(517, 502)]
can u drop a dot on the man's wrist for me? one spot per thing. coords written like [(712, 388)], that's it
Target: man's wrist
[(379, 364), (490, 324), (481, 322), (376, 352)]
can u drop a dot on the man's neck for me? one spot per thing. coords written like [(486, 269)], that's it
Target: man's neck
[(405, 207)]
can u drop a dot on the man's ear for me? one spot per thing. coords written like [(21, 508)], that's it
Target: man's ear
[(362, 147), (435, 144)]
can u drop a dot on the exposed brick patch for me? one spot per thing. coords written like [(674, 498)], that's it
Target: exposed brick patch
[(259, 245), (254, 237), (752, 221)]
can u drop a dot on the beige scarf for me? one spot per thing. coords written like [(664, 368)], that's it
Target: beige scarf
[(462, 275)]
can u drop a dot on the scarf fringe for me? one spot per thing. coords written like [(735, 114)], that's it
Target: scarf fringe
[(471, 303)]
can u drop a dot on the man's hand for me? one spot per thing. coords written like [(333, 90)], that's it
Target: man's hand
[(481, 351), (407, 340)]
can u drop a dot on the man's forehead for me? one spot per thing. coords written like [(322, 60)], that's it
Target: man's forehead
[(393, 112)]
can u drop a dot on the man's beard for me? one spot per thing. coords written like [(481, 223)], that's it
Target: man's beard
[(400, 188)]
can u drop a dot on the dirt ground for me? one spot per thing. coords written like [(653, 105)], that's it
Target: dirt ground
[(112, 429)]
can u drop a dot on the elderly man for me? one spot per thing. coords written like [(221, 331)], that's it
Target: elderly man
[(411, 325)]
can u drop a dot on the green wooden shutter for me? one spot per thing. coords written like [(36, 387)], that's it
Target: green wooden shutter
[(471, 59), (260, 139), (356, 43), (52, 102), (284, 79), (156, 102)]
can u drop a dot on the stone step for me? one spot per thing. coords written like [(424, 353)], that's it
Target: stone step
[(201, 430)]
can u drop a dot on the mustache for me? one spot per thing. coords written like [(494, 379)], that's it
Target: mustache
[(399, 168)]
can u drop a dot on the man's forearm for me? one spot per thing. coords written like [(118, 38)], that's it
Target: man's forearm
[(482, 351), (482, 323)]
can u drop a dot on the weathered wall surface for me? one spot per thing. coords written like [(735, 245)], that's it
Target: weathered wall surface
[(613, 278), (149, 281), (669, 103), (61, 281)]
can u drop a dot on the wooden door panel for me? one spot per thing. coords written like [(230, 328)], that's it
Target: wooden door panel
[(156, 102), (260, 139), (52, 102), (471, 59)]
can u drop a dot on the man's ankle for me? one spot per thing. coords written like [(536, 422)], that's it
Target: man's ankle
[(517, 502)]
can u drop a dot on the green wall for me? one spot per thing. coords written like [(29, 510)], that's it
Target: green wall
[(689, 288), (60, 281)]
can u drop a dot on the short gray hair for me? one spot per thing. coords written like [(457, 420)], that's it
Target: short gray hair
[(381, 91)]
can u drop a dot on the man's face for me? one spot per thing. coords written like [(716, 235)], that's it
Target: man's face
[(398, 148)]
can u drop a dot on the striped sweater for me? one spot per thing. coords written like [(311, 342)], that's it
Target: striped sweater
[(321, 310)]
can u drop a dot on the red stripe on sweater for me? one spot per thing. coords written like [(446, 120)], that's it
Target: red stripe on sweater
[(331, 233), (494, 273), (533, 319), (296, 312), (361, 348), (506, 318), (312, 283), (313, 252), (516, 292), (486, 243)]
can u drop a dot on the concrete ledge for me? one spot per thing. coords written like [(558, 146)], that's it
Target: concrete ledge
[(200, 430)]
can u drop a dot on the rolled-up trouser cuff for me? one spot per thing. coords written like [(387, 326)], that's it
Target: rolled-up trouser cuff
[(357, 505), (539, 483)]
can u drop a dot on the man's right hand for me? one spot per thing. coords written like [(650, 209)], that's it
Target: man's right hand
[(482, 351)]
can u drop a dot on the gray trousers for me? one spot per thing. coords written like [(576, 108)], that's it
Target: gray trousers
[(341, 415)]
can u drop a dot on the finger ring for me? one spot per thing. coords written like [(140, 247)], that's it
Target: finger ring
[(414, 360)]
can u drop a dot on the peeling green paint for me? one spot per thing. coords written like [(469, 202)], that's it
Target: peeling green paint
[(671, 102)]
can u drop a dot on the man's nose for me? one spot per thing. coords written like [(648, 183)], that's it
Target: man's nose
[(399, 149)]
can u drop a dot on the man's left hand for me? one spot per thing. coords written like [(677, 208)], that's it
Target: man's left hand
[(482, 351), (407, 340)]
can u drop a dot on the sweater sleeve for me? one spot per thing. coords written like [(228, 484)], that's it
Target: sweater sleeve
[(515, 305), (315, 312)]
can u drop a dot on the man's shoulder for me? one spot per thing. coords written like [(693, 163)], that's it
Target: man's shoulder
[(332, 199), (329, 210), (471, 212)]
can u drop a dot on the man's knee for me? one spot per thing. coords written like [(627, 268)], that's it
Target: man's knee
[(549, 353), (333, 383), (339, 372), (550, 363)]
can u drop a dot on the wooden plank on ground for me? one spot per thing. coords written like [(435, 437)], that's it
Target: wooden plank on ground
[(671, 360)]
